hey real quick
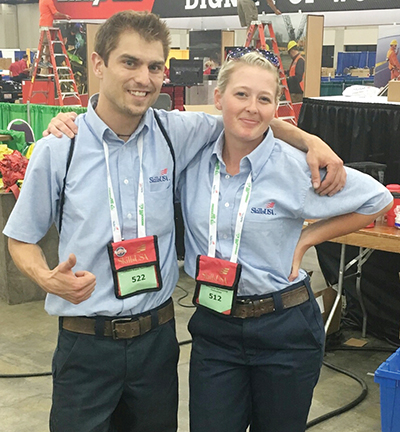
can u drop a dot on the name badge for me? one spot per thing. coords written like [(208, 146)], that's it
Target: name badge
[(135, 266), (216, 284)]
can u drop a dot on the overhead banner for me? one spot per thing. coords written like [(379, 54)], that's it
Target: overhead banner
[(335, 5), (103, 9)]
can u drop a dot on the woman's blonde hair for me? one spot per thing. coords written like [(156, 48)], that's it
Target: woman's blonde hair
[(252, 58)]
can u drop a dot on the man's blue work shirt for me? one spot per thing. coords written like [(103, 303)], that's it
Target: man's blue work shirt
[(86, 226), (282, 197)]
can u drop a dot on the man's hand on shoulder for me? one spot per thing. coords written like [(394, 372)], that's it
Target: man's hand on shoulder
[(320, 155), (63, 123), (73, 287)]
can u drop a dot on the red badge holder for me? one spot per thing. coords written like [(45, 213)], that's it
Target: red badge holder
[(216, 284), (135, 266)]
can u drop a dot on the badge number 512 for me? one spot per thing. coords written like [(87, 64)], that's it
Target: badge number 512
[(218, 299)]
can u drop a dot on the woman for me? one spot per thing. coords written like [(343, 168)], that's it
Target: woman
[(258, 336)]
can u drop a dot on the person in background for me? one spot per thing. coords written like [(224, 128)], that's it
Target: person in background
[(248, 12), (48, 13), (295, 73), (24, 65), (257, 333), (14, 70), (19, 70), (209, 66), (393, 61)]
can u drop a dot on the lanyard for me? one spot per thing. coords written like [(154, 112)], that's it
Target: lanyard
[(115, 225), (212, 238)]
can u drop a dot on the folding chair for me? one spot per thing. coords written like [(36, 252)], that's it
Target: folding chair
[(22, 126)]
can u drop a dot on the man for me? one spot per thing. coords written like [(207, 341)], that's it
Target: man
[(19, 70), (116, 358), (48, 13), (247, 11), (295, 79), (24, 65), (393, 61), (14, 70)]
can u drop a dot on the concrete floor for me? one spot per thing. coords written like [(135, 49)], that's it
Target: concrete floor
[(28, 337)]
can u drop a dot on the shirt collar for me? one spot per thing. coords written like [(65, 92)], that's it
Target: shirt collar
[(257, 158), (100, 129)]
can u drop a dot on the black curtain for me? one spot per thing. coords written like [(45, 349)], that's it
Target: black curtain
[(357, 131)]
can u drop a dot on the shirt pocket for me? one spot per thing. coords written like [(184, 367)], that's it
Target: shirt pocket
[(160, 186), (159, 209)]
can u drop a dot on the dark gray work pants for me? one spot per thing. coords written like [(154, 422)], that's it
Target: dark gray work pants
[(106, 385), (256, 371)]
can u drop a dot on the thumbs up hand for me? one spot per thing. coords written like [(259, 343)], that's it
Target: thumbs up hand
[(73, 287)]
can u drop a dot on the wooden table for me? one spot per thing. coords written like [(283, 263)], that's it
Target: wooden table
[(5, 137), (380, 237)]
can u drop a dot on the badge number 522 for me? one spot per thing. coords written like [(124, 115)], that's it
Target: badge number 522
[(138, 278)]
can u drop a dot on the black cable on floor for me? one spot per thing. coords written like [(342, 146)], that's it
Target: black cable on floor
[(346, 407), (351, 348), (184, 296), (27, 375)]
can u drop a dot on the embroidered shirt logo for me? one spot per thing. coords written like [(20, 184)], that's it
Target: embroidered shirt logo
[(268, 209), (163, 177)]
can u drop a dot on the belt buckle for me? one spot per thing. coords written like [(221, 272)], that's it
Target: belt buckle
[(117, 321)]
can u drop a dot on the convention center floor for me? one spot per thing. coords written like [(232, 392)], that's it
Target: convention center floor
[(28, 337)]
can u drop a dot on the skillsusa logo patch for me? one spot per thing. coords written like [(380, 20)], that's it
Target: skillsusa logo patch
[(268, 209), (160, 178)]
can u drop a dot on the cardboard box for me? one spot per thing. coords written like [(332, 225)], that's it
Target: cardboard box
[(325, 299), (393, 94), (326, 72), (362, 73), (5, 63)]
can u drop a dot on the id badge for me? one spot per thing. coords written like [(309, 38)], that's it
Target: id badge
[(135, 266), (216, 284)]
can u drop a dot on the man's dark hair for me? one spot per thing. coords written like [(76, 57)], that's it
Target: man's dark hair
[(145, 24)]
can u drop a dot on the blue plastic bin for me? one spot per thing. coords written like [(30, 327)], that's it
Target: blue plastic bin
[(388, 377)]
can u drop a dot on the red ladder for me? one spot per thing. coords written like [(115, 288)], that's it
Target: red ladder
[(261, 43), (60, 67)]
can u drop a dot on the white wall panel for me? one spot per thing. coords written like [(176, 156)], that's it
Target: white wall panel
[(361, 35), (28, 25), (8, 26)]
